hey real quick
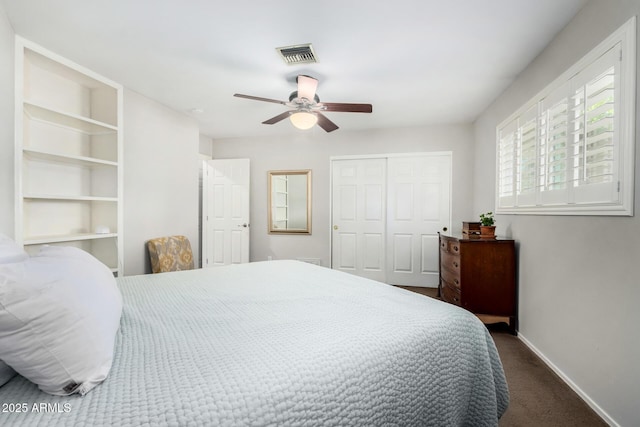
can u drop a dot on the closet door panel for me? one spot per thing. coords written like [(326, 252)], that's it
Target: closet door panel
[(428, 262), (418, 207), (374, 205), (373, 252), (347, 208), (359, 216), (402, 253), (345, 251)]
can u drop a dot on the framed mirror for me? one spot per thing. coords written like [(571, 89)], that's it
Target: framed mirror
[(289, 201)]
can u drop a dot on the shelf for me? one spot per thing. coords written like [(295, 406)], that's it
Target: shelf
[(61, 158), (66, 120), (70, 198), (40, 240), (68, 145)]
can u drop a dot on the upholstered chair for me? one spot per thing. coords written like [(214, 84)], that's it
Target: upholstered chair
[(172, 253)]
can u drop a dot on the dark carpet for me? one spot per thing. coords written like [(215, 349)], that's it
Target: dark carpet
[(538, 397)]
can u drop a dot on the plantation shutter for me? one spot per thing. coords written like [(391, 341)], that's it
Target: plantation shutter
[(507, 142), (554, 124), (527, 156), (570, 149), (594, 131)]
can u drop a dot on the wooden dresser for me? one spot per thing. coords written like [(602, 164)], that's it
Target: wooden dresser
[(479, 275)]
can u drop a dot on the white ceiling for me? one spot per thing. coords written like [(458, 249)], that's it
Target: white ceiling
[(419, 62)]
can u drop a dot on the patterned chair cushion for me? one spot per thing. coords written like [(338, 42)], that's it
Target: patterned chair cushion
[(171, 253)]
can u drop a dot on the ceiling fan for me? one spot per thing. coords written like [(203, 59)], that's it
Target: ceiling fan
[(306, 109)]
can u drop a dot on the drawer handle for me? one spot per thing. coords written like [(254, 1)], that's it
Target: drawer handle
[(442, 245), (456, 299), (455, 264), (456, 281), (455, 248)]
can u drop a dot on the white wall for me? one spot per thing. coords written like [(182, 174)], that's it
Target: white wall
[(578, 287), (206, 146), (6, 125), (161, 164), (312, 150)]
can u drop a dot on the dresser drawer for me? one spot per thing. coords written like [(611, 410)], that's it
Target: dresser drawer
[(450, 294), (450, 245), (452, 277), (450, 261)]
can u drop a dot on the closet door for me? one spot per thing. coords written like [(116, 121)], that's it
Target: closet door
[(418, 206), (386, 214), (359, 216)]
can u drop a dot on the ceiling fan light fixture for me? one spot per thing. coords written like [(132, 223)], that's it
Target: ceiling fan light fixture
[(303, 120), (305, 109)]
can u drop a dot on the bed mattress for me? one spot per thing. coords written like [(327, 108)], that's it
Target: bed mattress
[(280, 343)]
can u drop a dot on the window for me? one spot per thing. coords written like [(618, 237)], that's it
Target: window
[(570, 149)]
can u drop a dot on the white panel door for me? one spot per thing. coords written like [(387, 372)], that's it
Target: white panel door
[(225, 214), (418, 206), (358, 217)]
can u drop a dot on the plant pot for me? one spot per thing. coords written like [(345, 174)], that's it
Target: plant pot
[(487, 231)]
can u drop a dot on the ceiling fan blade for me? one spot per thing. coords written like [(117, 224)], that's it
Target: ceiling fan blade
[(257, 98), (277, 118), (325, 123), (345, 108), (307, 87)]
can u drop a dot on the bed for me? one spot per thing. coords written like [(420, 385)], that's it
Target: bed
[(280, 343)]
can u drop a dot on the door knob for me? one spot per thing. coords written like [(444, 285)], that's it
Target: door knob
[(335, 227), (444, 228), (245, 225)]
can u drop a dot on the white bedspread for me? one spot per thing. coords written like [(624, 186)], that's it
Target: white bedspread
[(281, 343)]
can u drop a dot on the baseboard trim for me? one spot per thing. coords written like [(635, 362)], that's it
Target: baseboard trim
[(584, 396)]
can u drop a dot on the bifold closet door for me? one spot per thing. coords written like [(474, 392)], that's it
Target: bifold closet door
[(359, 216), (418, 207)]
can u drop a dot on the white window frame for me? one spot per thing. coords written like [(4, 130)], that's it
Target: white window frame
[(509, 198)]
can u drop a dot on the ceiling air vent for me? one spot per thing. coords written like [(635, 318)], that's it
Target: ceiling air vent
[(298, 54)]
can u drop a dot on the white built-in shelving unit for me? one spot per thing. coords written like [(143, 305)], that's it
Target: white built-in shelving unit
[(68, 156)]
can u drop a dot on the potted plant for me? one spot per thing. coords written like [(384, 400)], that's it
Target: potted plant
[(487, 227)]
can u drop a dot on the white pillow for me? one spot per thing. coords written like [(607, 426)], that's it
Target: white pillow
[(59, 315), (10, 251)]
